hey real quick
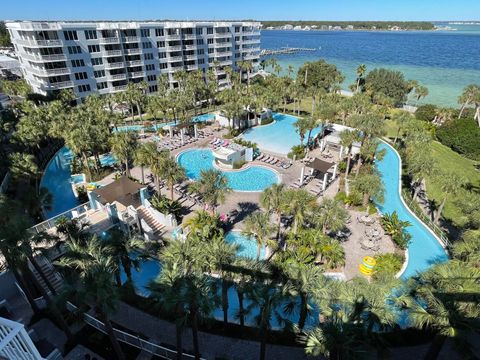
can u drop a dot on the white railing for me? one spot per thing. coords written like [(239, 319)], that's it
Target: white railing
[(112, 52), (35, 42), (192, 67), (60, 85), (114, 65), (173, 37), (133, 51), (174, 48), (134, 62), (133, 340), (251, 57), (15, 342), (109, 40), (251, 41), (189, 36), (190, 47), (117, 77), (222, 35), (130, 39), (79, 212), (175, 58), (62, 71), (43, 58), (119, 88), (136, 74)]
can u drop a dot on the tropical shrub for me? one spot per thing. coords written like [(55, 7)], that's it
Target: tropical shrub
[(395, 227), (166, 206), (426, 112), (238, 164), (246, 143), (461, 136), (297, 151), (82, 194), (388, 264), (354, 198), (266, 121), (332, 252)]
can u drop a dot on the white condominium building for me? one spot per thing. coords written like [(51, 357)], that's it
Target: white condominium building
[(102, 57)]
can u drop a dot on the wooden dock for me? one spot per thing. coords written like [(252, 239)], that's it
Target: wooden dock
[(285, 50)]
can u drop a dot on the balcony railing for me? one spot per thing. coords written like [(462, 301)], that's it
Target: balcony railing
[(112, 53), (117, 77), (119, 88), (189, 36), (109, 40), (130, 39), (192, 67), (60, 85), (190, 47), (136, 74), (115, 65), (251, 56), (174, 37), (175, 48), (134, 62), (191, 57), (251, 41), (133, 51), (39, 43), (251, 33), (175, 58), (43, 58), (50, 72), (222, 35)]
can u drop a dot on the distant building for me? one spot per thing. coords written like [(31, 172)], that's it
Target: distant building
[(288, 27), (103, 57), (350, 27), (298, 27)]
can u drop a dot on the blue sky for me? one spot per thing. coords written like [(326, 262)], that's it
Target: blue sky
[(241, 9)]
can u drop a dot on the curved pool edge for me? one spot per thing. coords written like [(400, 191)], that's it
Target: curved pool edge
[(406, 262), (248, 166)]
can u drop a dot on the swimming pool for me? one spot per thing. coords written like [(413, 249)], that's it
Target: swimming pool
[(424, 249), (278, 137), (254, 178), (195, 119), (247, 246)]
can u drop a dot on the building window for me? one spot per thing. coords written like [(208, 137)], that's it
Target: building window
[(201, 61), (209, 30), (81, 76), (148, 56), (153, 88), (200, 51), (102, 85), (237, 29), (97, 61), (237, 38), (83, 88), (74, 50), (237, 47), (144, 32), (78, 63), (159, 32), (93, 48), (160, 44), (152, 77), (90, 34), (199, 41), (150, 67), (147, 45), (199, 31), (163, 66), (210, 41), (162, 55), (99, 73), (211, 50), (70, 35)]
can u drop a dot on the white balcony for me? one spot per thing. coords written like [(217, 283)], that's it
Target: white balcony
[(136, 74), (223, 35), (112, 53), (117, 77), (134, 63), (175, 58), (251, 33), (15, 342), (173, 37), (189, 36), (175, 48), (223, 53), (50, 72), (191, 57), (43, 58), (115, 65), (225, 63), (192, 67), (38, 43), (109, 40), (129, 39), (251, 41), (60, 85), (119, 88), (251, 57), (133, 51), (190, 47)]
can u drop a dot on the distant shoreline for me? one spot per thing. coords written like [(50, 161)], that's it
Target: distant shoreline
[(361, 30)]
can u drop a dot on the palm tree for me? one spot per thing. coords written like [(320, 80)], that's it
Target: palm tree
[(204, 223), (332, 252), (420, 92), (420, 165), (95, 268), (369, 184), (123, 145), (299, 204), (23, 166), (450, 184), (222, 254), (272, 200), (172, 173), (213, 187), (143, 156), (395, 227), (301, 127), (331, 215), (257, 225), (303, 280), (447, 302), (361, 70), (126, 252), (470, 95), (347, 138)]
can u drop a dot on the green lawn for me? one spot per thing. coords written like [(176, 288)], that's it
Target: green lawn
[(450, 160)]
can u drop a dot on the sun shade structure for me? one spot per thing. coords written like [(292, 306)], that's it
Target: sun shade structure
[(320, 165), (123, 190)]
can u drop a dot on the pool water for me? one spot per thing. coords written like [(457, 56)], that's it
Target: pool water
[(424, 249), (77, 179), (197, 119), (247, 246), (278, 137), (254, 178)]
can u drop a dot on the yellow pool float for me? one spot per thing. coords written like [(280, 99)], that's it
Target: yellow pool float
[(367, 265)]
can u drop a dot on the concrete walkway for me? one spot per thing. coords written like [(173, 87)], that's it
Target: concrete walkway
[(211, 346)]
